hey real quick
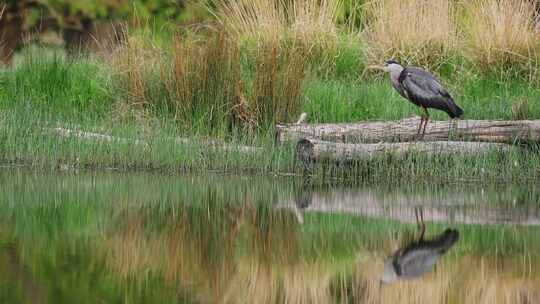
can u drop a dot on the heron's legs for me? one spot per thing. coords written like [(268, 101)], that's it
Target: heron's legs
[(420, 125), (426, 119), (419, 213)]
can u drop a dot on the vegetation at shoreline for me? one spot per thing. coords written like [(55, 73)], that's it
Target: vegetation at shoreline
[(235, 77)]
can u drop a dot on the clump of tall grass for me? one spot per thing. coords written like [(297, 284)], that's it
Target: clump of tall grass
[(419, 32), (203, 82), (200, 78), (504, 35), (277, 84), (135, 62)]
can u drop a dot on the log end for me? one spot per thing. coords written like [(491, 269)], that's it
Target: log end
[(304, 150)]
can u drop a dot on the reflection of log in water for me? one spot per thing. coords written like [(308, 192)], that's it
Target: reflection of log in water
[(401, 208)]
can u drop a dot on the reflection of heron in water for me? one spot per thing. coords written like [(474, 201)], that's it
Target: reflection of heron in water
[(303, 197), (419, 256)]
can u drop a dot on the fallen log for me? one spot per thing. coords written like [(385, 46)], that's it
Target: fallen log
[(522, 131), (313, 150), (65, 132), (210, 144)]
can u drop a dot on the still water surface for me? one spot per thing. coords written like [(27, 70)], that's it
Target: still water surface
[(142, 238)]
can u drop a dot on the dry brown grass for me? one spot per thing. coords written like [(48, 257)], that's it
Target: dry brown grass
[(310, 21), (503, 33), (419, 32), (315, 20), (307, 24), (257, 18)]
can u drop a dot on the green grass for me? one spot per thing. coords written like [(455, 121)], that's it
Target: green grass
[(49, 82), (349, 100)]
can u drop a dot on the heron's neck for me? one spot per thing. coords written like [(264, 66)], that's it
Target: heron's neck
[(395, 71)]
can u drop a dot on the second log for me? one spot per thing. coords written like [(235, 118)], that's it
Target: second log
[(313, 150)]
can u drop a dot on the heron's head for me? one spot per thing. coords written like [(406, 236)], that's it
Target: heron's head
[(388, 66)]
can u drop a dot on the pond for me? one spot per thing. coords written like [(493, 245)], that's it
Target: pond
[(145, 238)]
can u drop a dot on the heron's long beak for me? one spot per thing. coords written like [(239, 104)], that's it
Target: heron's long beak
[(376, 67)]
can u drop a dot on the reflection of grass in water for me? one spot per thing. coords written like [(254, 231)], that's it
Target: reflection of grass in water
[(267, 270), (225, 240), (66, 274), (303, 282), (259, 277)]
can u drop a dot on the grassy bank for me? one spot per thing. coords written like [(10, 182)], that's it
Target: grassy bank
[(45, 90)]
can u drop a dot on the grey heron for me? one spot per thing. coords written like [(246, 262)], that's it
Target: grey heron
[(418, 257), (422, 89)]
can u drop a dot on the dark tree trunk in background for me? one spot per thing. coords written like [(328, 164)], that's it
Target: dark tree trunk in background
[(11, 32), (77, 37), (78, 32), (93, 36)]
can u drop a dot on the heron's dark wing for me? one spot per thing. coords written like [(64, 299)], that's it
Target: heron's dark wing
[(422, 82), (425, 90)]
